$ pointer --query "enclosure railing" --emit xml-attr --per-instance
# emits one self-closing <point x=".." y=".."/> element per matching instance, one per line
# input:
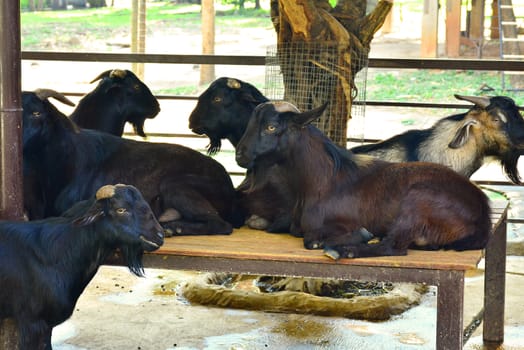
<point x="243" y="60"/>
<point x="393" y="63"/>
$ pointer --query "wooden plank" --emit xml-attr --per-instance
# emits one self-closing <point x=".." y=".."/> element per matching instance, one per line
<point x="254" y="245"/>
<point x="453" y="28"/>
<point x="495" y="286"/>
<point x="450" y="311"/>
<point x="250" y="244"/>
<point x="428" y="45"/>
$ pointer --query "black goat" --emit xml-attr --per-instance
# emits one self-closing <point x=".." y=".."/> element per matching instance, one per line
<point x="493" y="127"/>
<point x="189" y="192"/>
<point x="120" y="97"/>
<point x="46" y="264"/>
<point x="223" y="112"/>
<point x="342" y="197"/>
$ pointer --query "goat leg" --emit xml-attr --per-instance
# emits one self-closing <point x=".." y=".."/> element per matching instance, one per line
<point x="335" y="234"/>
<point x="385" y="247"/>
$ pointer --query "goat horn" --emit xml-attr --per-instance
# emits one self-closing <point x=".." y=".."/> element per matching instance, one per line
<point x="43" y="94"/>
<point x="480" y="101"/>
<point x="118" y="73"/>
<point x="283" y="106"/>
<point x="233" y="83"/>
<point x="106" y="191"/>
<point x="101" y="75"/>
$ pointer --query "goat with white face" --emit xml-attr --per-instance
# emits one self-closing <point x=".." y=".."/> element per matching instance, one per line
<point x="493" y="127"/>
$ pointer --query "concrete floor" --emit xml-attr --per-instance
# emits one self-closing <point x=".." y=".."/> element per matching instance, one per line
<point x="120" y="311"/>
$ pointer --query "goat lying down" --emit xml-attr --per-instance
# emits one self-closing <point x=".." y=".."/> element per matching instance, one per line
<point x="46" y="264"/>
<point x="340" y="197"/>
<point x="119" y="97"/>
<point x="493" y="127"/>
<point x="190" y="193"/>
<point x="223" y="112"/>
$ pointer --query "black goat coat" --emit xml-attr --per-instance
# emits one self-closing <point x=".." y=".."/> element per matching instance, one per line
<point x="71" y="166"/>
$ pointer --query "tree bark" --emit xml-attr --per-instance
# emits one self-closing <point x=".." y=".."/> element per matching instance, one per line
<point x="334" y="43"/>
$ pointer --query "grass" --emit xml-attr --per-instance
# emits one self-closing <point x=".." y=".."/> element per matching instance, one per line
<point x="53" y="29"/>
<point x="435" y="86"/>
<point x="78" y="29"/>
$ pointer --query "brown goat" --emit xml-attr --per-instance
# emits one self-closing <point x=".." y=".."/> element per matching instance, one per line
<point x="493" y="127"/>
<point x="340" y="196"/>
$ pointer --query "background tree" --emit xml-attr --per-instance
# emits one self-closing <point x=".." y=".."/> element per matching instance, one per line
<point x="346" y="29"/>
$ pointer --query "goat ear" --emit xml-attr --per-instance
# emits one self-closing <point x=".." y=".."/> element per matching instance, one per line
<point x="462" y="135"/>
<point x="305" y="118"/>
<point x="247" y="96"/>
<point x="93" y="213"/>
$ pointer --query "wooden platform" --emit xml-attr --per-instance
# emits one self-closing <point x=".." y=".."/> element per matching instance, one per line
<point x="255" y="252"/>
<point x="248" y="244"/>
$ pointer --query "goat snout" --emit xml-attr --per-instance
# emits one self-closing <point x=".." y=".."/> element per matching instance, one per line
<point x="242" y="158"/>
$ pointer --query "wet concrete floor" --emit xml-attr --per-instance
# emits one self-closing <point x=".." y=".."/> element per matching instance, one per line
<point x="120" y="311"/>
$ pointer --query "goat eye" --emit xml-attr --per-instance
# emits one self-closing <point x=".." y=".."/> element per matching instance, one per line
<point x="37" y="114"/>
<point x="136" y="87"/>
<point x="121" y="211"/>
<point x="217" y="99"/>
<point x="271" y="128"/>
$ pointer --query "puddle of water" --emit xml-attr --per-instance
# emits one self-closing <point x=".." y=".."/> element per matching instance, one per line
<point x="414" y="329"/>
<point x="302" y="328"/>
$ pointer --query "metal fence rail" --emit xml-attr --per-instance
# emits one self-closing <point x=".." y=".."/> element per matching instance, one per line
<point x="391" y="63"/>
<point x="241" y="60"/>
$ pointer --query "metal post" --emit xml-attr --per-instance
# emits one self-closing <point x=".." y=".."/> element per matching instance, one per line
<point x="11" y="202"/>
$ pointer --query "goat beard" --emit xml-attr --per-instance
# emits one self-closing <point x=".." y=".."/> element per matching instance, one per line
<point x="509" y="163"/>
<point x="214" y="146"/>
<point x="138" y="127"/>
<point x="132" y="256"/>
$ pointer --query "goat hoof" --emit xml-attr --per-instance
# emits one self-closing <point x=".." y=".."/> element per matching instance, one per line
<point x="257" y="223"/>
<point x="314" y="245"/>
<point x="332" y="253"/>
<point x="178" y="231"/>
<point x="168" y="232"/>
<point x="365" y="235"/>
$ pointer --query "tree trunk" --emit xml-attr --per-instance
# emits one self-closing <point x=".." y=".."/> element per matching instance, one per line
<point x="320" y="45"/>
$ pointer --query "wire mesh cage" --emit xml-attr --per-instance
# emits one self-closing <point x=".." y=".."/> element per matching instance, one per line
<point x="310" y="74"/>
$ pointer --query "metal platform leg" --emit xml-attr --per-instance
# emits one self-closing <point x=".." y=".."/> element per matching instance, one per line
<point x="450" y="310"/>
